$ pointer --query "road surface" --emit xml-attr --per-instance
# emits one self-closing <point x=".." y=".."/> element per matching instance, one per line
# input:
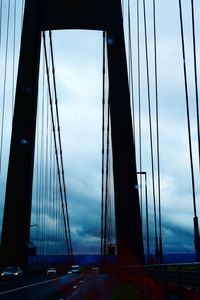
<point x="84" y="287"/>
<point x="39" y="287"/>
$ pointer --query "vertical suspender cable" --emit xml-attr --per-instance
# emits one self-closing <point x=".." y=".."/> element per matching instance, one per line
<point x="50" y="188"/>
<point x="147" y="219"/>
<point x="107" y="182"/>
<point x="53" y="203"/>
<point x="157" y="135"/>
<point x="42" y="160"/>
<point x="0" y="21"/>
<point x="41" y="165"/>
<point x="130" y="58"/>
<point x="37" y="180"/>
<point x="122" y="5"/>
<point x="112" y="240"/>
<point x="48" y="166"/>
<point x="109" y="219"/>
<point x="60" y="145"/>
<point x="22" y="16"/>
<point x="196" y="226"/>
<point x="46" y="99"/>
<point x="56" y="149"/>
<point x="131" y="87"/>
<point x="195" y="74"/>
<point x="13" y="67"/>
<point x="139" y="100"/>
<point x="109" y="208"/>
<point x="103" y="146"/>
<point x="4" y="86"/>
<point x="46" y="187"/>
<point x="151" y="137"/>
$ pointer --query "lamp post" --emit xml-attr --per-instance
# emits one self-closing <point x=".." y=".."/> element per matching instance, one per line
<point x="34" y="225"/>
<point x="147" y="215"/>
<point x="31" y="246"/>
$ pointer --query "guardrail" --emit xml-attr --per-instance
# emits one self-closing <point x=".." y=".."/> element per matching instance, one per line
<point x="178" y="278"/>
<point x="182" y="275"/>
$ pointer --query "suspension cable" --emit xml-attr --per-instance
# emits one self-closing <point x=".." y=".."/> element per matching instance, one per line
<point x="150" y="128"/>
<point x="4" y="85"/>
<point x="59" y="140"/>
<point x="51" y="186"/>
<point x="103" y="145"/>
<point x="0" y="21"/>
<point x="130" y="59"/>
<point x="122" y="5"/>
<point x="107" y="181"/>
<point x="196" y="226"/>
<point x="187" y="109"/>
<point x="13" y="67"/>
<point x="109" y="209"/>
<point x="40" y="223"/>
<point x="22" y="13"/>
<point x="46" y="170"/>
<point x="54" y="195"/>
<point x="196" y="80"/>
<point x="55" y="145"/>
<point x="157" y="133"/>
<point x="112" y="213"/>
<point x="37" y="179"/>
<point x="139" y="103"/>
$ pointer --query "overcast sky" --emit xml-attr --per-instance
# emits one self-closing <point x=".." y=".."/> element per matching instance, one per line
<point x="78" y="59"/>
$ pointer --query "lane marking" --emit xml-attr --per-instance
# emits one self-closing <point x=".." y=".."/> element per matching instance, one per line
<point x="74" y="287"/>
<point x="31" y="285"/>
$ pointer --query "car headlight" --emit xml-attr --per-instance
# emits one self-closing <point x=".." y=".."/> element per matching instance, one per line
<point x="2" y="274"/>
<point x="16" y="274"/>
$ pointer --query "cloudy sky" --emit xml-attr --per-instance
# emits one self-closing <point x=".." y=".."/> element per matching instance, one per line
<point x="78" y="59"/>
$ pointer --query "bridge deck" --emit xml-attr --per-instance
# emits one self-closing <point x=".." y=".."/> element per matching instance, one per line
<point x="99" y="286"/>
<point x="104" y="286"/>
<point x="107" y="287"/>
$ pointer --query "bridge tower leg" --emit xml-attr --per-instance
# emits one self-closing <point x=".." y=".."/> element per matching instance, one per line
<point x="127" y="210"/>
<point x="76" y="14"/>
<point x="17" y="209"/>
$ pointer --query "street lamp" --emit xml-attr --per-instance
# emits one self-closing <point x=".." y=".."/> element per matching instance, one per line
<point x="147" y="215"/>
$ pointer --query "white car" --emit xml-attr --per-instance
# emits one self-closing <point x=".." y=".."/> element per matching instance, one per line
<point x="75" y="269"/>
<point x="51" y="271"/>
<point x="11" y="272"/>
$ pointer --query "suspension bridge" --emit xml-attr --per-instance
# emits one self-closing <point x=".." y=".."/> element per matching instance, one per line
<point x="145" y="211"/>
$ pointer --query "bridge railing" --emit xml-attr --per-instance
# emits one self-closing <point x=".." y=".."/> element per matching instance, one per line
<point x="181" y="276"/>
